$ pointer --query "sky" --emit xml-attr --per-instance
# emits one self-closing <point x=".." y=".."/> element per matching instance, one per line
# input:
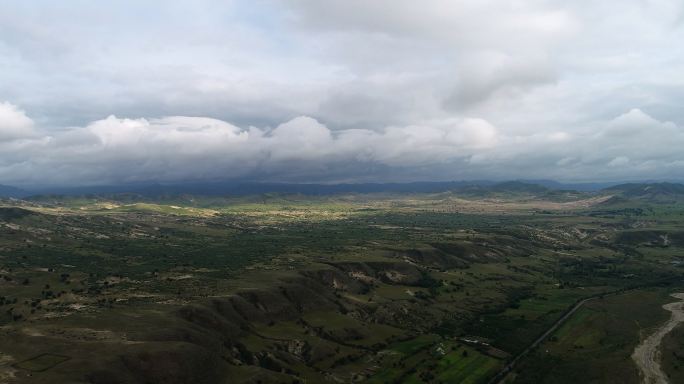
<point x="340" y="91"/>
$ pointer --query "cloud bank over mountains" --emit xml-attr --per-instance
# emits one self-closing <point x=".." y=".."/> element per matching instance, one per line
<point x="331" y="90"/>
<point x="120" y="150"/>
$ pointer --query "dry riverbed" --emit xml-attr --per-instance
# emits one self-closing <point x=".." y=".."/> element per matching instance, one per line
<point x="647" y="354"/>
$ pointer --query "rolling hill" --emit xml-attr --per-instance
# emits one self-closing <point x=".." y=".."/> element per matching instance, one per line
<point x="658" y="192"/>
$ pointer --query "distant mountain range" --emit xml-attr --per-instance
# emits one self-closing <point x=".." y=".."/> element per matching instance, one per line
<point x="482" y="187"/>
<point x="7" y="191"/>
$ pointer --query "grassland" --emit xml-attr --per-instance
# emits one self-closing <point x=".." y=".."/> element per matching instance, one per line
<point x="610" y="328"/>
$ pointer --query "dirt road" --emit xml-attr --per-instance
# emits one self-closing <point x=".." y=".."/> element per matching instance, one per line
<point x="647" y="354"/>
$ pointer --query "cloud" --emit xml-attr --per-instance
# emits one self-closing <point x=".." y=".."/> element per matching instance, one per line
<point x="483" y="46"/>
<point x="484" y="74"/>
<point x="619" y="161"/>
<point x="638" y="136"/>
<point x="14" y="124"/>
<point x="320" y="90"/>
<point x="181" y="148"/>
<point x="631" y="146"/>
<point x="353" y="64"/>
<point x="176" y="148"/>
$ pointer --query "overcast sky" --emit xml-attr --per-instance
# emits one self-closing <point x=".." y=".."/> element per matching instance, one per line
<point x="95" y="92"/>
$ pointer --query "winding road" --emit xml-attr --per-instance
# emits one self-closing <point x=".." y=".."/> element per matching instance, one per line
<point x="647" y="354"/>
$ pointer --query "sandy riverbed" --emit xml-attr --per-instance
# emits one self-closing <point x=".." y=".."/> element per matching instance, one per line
<point x="647" y="354"/>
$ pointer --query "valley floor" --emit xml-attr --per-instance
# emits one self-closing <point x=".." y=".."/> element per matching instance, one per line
<point x="373" y="288"/>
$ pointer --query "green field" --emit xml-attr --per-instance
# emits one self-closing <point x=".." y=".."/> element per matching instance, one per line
<point x="608" y="328"/>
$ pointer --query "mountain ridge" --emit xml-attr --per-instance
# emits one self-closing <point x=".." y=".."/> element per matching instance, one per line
<point x="475" y="187"/>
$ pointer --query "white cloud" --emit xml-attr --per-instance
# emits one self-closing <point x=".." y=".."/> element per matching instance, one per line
<point x="180" y="148"/>
<point x="177" y="148"/>
<point x="14" y="124"/>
